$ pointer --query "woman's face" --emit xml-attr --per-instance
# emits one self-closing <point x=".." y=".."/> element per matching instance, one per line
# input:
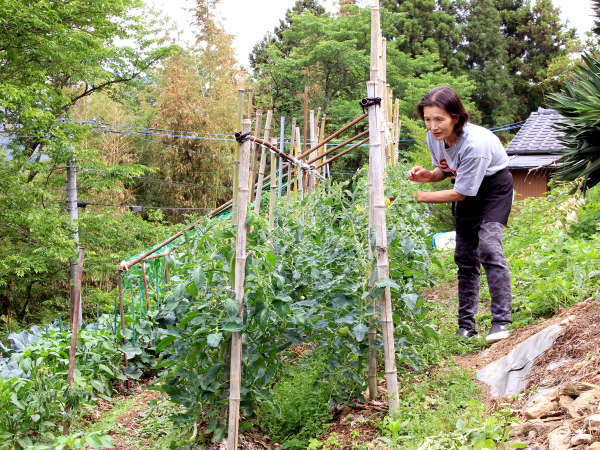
<point x="440" y="123"/>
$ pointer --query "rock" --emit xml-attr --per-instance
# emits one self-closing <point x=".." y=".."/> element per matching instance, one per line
<point x="565" y="401"/>
<point x="581" y="439"/>
<point x="586" y="403"/>
<point x="575" y="388"/>
<point x="593" y="423"/>
<point x="567" y="320"/>
<point x="508" y="375"/>
<point x="536" y="426"/>
<point x="543" y="406"/>
<point x="560" y="438"/>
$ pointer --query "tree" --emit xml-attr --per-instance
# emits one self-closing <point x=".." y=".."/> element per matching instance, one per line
<point x="258" y="55"/>
<point x="427" y="26"/>
<point x="579" y="102"/>
<point x="508" y="47"/>
<point x="331" y="58"/>
<point x="53" y="55"/>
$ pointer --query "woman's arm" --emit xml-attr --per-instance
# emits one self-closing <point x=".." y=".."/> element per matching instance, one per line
<point x="422" y="175"/>
<point x="446" y="196"/>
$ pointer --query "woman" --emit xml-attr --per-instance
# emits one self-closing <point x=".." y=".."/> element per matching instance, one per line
<point x="475" y="160"/>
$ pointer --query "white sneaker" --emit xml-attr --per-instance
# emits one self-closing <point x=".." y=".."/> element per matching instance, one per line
<point x="497" y="333"/>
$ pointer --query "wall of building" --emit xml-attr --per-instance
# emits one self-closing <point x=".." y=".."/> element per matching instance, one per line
<point x="530" y="184"/>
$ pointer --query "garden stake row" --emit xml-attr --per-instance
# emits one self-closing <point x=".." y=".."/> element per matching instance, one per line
<point x="240" y="269"/>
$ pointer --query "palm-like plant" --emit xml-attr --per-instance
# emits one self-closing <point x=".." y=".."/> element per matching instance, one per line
<point x="579" y="103"/>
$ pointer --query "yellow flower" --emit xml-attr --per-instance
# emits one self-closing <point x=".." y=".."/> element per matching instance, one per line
<point x="387" y="202"/>
<point x="359" y="208"/>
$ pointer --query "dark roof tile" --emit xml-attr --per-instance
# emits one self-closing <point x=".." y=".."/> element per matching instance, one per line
<point x="537" y="135"/>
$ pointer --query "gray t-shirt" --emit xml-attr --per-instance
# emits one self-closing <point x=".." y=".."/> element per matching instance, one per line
<point x="477" y="153"/>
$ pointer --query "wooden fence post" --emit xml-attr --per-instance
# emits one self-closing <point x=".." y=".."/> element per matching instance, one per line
<point x="240" y="266"/>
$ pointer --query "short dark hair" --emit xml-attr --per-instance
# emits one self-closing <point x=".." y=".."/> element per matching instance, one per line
<point x="447" y="99"/>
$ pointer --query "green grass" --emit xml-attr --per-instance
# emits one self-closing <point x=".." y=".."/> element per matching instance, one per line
<point x="154" y="428"/>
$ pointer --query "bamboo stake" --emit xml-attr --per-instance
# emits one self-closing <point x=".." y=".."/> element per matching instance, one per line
<point x="299" y="185"/>
<point x="145" y="280"/>
<point x="294" y="152"/>
<point x="379" y="225"/>
<point x="313" y="139"/>
<point x="263" y="162"/>
<point x="305" y="105"/>
<point x="254" y="155"/>
<point x="240" y="266"/>
<point x="322" y="137"/>
<point x="273" y="187"/>
<point x="397" y="125"/>
<point x="236" y="156"/>
<point x="250" y="105"/>
<point x="383" y="95"/>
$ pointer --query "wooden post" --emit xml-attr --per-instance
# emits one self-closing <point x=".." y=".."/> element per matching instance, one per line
<point x="145" y="280"/>
<point x="240" y="266"/>
<point x="293" y="152"/>
<point x="263" y="162"/>
<point x="254" y="155"/>
<point x="273" y="188"/>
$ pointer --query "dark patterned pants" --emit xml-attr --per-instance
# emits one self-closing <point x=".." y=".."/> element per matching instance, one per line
<point x="482" y="246"/>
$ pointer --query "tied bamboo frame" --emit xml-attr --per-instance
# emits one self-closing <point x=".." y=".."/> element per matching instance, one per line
<point x="240" y="265"/>
<point x="377" y="204"/>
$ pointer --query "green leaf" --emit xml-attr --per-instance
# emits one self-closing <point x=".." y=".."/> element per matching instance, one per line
<point x="360" y="331"/>
<point x="97" y="440"/>
<point x="214" y="339"/>
<point x="130" y="350"/>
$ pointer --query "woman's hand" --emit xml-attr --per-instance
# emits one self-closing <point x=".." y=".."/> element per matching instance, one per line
<point x="420" y="174"/>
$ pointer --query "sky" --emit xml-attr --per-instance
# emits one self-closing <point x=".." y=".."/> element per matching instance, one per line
<point x="250" y="20"/>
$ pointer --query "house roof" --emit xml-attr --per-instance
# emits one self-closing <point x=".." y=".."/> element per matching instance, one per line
<point x="533" y="161"/>
<point x="537" y="135"/>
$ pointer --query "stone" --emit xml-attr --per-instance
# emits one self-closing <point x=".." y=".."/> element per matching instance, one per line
<point x="593" y="423"/>
<point x="508" y="375"/>
<point x="585" y="404"/>
<point x="536" y="426"/>
<point x="575" y="388"/>
<point x="581" y="439"/>
<point x="565" y="401"/>
<point x="559" y="438"/>
<point x="543" y="406"/>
